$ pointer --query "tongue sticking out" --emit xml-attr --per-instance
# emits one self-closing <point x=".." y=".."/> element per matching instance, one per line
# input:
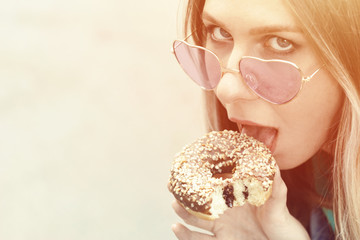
<point x="263" y="134"/>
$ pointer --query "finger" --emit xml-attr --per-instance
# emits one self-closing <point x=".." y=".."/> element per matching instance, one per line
<point x="279" y="186"/>
<point x="275" y="217"/>
<point x="242" y="219"/>
<point x="191" y="219"/>
<point x="275" y="207"/>
<point x="183" y="233"/>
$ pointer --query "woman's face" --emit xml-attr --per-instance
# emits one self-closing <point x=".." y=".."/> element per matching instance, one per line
<point x="294" y="131"/>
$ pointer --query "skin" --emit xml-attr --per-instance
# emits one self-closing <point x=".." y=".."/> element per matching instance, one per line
<point x="237" y="28"/>
<point x="269" y="221"/>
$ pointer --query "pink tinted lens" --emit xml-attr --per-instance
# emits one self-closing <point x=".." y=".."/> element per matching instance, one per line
<point x="202" y="66"/>
<point x="275" y="81"/>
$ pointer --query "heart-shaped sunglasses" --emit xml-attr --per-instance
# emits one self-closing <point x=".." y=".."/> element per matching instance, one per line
<point x="276" y="81"/>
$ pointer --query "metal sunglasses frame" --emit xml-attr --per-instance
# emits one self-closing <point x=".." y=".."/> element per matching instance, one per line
<point x="224" y="70"/>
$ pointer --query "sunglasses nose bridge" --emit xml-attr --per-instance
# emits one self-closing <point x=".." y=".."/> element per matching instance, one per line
<point x="229" y="70"/>
<point x="234" y="71"/>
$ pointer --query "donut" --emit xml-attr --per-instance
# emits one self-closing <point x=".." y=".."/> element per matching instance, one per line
<point x="221" y="170"/>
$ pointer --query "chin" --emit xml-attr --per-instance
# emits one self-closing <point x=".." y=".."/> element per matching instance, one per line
<point x="287" y="163"/>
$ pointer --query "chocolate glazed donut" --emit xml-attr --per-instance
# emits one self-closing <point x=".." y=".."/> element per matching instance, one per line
<point x="221" y="170"/>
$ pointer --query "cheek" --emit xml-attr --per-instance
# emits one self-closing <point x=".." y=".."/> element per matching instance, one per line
<point x="307" y="122"/>
<point x="297" y="146"/>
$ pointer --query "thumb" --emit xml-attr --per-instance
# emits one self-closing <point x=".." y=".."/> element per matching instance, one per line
<point x="275" y="217"/>
<point x="279" y="189"/>
<point x="275" y="206"/>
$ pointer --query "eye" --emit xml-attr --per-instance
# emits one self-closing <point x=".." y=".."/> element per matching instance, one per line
<point x="219" y="34"/>
<point x="280" y="44"/>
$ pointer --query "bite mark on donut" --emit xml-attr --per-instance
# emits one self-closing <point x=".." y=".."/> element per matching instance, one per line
<point x="228" y="195"/>
<point x="246" y="193"/>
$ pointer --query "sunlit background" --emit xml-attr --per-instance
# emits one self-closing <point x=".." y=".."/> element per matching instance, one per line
<point x="93" y="106"/>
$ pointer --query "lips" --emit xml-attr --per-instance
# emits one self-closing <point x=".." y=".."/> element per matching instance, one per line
<point x="264" y="134"/>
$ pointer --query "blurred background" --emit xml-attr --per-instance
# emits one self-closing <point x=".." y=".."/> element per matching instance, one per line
<point x="93" y="107"/>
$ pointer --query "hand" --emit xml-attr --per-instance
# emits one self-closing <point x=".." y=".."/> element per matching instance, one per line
<point x="270" y="221"/>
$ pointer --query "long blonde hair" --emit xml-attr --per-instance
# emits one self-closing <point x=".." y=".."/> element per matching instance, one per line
<point x="333" y="28"/>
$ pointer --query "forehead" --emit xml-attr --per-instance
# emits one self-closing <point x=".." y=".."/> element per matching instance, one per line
<point x="249" y="13"/>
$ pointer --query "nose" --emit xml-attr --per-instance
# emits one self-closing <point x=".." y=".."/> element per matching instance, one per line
<point x="232" y="88"/>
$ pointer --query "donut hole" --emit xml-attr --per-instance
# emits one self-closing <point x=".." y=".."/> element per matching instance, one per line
<point x="223" y="170"/>
<point x="222" y="175"/>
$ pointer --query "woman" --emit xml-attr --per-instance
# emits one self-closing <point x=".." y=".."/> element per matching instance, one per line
<point x="305" y="106"/>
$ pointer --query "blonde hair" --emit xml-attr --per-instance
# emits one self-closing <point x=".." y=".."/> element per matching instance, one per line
<point x="333" y="28"/>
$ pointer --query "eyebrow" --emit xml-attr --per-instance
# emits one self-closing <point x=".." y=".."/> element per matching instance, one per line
<point x="257" y="30"/>
<point x="274" y="28"/>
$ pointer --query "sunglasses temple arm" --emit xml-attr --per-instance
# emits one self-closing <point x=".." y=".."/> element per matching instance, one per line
<point x="186" y="38"/>
<point x="306" y="79"/>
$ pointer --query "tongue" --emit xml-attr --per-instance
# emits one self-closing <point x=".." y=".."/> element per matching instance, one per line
<point x="263" y="134"/>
